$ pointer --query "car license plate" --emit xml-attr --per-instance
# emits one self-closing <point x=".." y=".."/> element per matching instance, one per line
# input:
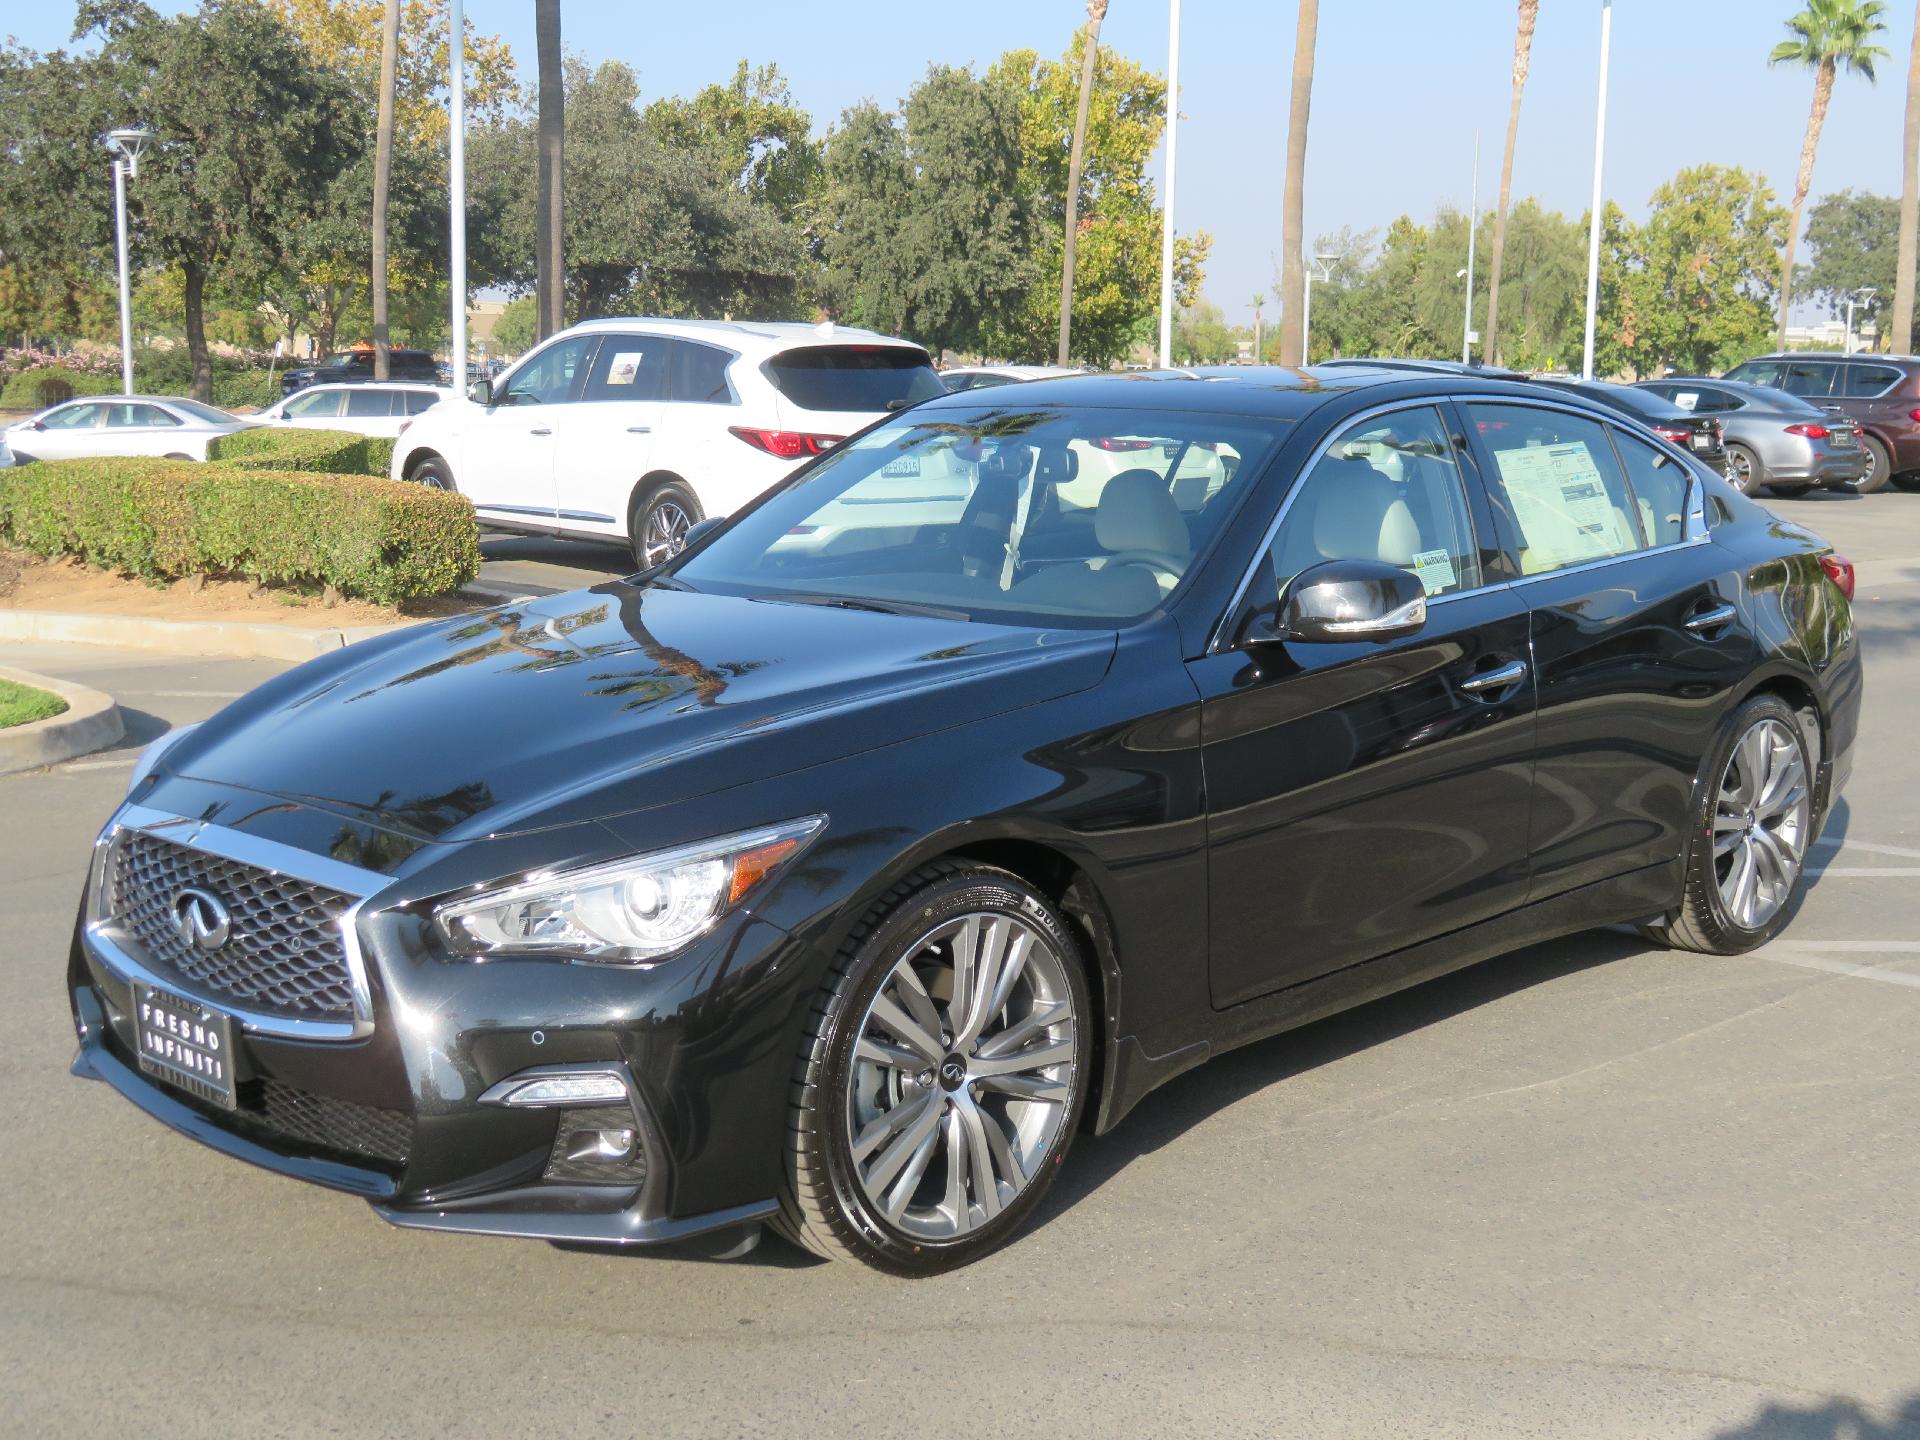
<point x="185" y="1044"/>
<point x="1845" y="439"/>
<point x="905" y="465"/>
<point x="1702" y="442"/>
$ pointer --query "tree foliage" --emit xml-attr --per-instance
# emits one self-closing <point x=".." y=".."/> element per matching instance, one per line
<point x="1853" y="240"/>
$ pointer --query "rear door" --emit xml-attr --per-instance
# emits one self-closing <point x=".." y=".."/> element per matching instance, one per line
<point x="135" y="428"/>
<point x="1365" y="797"/>
<point x="1639" y="627"/>
<point x="373" y="410"/>
<point x="607" y="442"/>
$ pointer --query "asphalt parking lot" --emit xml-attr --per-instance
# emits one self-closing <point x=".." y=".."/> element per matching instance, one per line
<point x="1589" y="1189"/>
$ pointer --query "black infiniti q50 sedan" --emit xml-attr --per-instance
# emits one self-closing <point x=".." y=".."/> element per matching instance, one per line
<point x="1022" y="752"/>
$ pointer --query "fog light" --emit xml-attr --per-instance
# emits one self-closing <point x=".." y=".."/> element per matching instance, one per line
<point x="598" y="1146"/>
<point x="578" y="1087"/>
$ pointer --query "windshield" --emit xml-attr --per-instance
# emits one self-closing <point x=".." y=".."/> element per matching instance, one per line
<point x="1026" y="515"/>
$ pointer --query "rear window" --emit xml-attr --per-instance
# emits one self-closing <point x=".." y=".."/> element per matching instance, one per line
<point x="854" y="377"/>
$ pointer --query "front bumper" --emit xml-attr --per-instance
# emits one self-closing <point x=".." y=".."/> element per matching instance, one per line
<point x="397" y="1108"/>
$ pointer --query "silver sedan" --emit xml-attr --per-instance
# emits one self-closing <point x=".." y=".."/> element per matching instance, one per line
<point x="122" y="425"/>
<point x="1774" y="440"/>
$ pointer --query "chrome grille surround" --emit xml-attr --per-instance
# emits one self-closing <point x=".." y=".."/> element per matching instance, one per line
<point x="301" y="974"/>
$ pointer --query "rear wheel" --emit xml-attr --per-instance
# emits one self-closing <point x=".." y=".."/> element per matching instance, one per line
<point x="943" y="1075"/>
<point x="1752" y="827"/>
<point x="435" y="474"/>
<point x="1744" y="469"/>
<point x="658" y="525"/>
<point x="1879" y="471"/>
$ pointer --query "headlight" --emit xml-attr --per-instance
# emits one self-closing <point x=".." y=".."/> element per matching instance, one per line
<point x="150" y="756"/>
<point x="629" y="912"/>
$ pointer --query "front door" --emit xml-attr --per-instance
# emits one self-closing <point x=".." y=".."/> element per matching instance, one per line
<point x="507" y="450"/>
<point x="1365" y="797"/>
<point x="71" y="431"/>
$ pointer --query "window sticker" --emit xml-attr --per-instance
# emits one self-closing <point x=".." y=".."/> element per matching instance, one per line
<point x="1560" y="503"/>
<point x="1687" y="399"/>
<point x="625" y="367"/>
<point x="1434" y="570"/>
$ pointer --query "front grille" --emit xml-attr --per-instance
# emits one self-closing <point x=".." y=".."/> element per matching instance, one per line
<point x="284" y="955"/>
<point x="340" y="1126"/>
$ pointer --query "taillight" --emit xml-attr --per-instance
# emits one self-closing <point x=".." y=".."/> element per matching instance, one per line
<point x="1839" y="570"/>
<point x="786" y="444"/>
<point x="1117" y="445"/>
<point x="1674" y="434"/>
<point x="1913" y="414"/>
<point x="1811" y="432"/>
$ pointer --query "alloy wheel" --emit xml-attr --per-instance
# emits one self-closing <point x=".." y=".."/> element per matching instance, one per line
<point x="1740" y="470"/>
<point x="962" y="1075"/>
<point x="664" y="534"/>
<point x="1760" y="823"/>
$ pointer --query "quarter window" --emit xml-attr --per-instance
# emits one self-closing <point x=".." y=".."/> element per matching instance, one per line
<point x="418" y="402"/>
<point x="1660" y="488"/>
<point x="1863" y="382"/>
<point x="700" y="374"/>
<point x="1388" y="489"/>
<point x="1561" y="484"/>
<point x="553" y="376"/>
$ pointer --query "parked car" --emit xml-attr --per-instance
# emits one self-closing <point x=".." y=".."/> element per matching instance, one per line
<point x="1774" y="440"/>
<point x="1700" y="435"/>
<point x="371" y="409"/>
<point x="837" y="891"/>
<point x="636" y="430"/>
<point x="6" y="455"/>
<point x="355" y="367"/>
<point x="122" y="425"/>
<point x="1881" y="392"/>
<point x="985" y="377"/>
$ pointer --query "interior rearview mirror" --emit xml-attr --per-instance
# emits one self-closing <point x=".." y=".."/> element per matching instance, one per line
<point x="1341" y="601"/>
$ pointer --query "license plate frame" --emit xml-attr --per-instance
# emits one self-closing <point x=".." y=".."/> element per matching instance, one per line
<point x="1845" y="439"/>
<point x="1700" y="440"/>
<point x="185" y="1044"/>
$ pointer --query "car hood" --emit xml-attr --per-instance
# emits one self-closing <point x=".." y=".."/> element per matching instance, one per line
<point x="618" y="698"/>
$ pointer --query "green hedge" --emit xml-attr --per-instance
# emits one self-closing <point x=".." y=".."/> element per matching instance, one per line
<point x="42" y="386"/>
<point x="382" y="540"/>
<point x="269" y="447"/>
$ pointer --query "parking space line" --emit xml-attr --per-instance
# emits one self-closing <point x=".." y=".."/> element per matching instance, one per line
<point x="1846" y="871"/>
<point x="1829" y="842"/>
<point x="99" y="764"/>
<point x="1843" y="967"/>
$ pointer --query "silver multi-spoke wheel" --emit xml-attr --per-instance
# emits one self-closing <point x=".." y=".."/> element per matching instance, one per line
<point x="1760" y="823"/>
<point x="962" y="1075"/>
<point x="665" y="534"/>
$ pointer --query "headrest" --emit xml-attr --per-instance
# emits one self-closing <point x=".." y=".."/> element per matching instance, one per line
<point x="1360" y="516"/>
<point x="1137" y="513"/>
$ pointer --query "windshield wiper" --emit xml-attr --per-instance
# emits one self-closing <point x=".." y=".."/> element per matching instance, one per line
<point x="861" y="602"/>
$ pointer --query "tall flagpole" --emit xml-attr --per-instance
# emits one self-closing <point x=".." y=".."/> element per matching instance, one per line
<point x="1166" y="203"/>
<point x="457" y="186"/>
<point x="1599" y="157"/>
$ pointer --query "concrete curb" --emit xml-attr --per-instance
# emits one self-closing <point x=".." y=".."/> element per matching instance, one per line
<point x="90" y="722"/>
<point x="182" y="637"/>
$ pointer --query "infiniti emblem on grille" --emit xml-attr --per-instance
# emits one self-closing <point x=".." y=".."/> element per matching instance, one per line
<point x="201" y="919"/>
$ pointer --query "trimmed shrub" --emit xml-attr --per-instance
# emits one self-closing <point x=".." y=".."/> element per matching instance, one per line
<point x="383" y="540"/>
<point x="379" y="455"/>
<point x="268" y="447"/>
<point x="56" y="382"/>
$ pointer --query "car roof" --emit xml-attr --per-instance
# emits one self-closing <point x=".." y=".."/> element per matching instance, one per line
<point x="1739" y="387"/>
<point x="360" y="385"/>
<point x="1858" y="357"/>
<point x="766" y="336"/>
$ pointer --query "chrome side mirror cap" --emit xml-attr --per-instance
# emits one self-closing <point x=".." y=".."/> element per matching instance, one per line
<point x="1342" y="601"/>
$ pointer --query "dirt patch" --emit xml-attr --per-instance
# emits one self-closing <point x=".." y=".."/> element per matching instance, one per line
<point x="72" y="587"/>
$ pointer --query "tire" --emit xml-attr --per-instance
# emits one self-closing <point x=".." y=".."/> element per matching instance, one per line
<point x="190" y="459"/>
<point x="1879" y="469"/>
<point x="1908" y="481"/>
<point x="435" y="474"/>
<point x="658" y="523"/>
<point x="875" y="1170"/>
<point x="1767" y="832"/>
<point x="1744" y="470"/>
<point x="1789" y="492"/>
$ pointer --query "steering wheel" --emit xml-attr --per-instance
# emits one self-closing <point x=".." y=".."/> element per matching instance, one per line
<point x="1172" y="566"/>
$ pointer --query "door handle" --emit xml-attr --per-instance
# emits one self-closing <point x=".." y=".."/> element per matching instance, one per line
<point x="1498" y="678"/>
<point x="541" y="431"/>
<point x="1714" y="619"/>
<point x="639" y="429"/>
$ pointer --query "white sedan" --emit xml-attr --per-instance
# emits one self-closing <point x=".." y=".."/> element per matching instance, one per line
<point x="122" y="425"/>
<point x="380" y="408"/>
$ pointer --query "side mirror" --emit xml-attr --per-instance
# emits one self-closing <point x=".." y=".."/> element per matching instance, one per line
<point x="480" y="392"/>
<point x="1346" y="600"/>
<point x="38" y="425"/>
<point x="699" y="531"/>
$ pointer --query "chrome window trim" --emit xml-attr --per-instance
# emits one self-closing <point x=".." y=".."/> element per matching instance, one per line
<point x="243" y="849"/>
<point x="1695" y="530"/>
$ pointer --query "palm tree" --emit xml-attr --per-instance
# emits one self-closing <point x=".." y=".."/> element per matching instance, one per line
<point x="1909" y="204"/>
<point x="1096" y="12"/>
<point x="382" y="176"/>
<point x="550" y="128"/>
<point x="1522" y="53"/>
<point x="1828" y="35"/>
<point x="1293" y="222"/>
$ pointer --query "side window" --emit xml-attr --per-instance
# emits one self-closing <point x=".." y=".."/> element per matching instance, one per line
<point x="418" y="401"/>
<point x="1387" y="489"/>
<point x="1562" y="486"/>
<point x="372" y="402"/>
<point x="552" y="376"/>
<point x="137" y="417"/>
<point x="700" y="374"/>
<point x="630" y="367"/>
<point x="74" y="417"/>
<point x="1807" y="377"/>
<point x="956" y="383"/>
<point x="1660" y="484"/>
<point x="315" y="404"/>
<point x="1863" y="382"/>
<point x="1757" y="372"/>
<point x="1700" y="399"/>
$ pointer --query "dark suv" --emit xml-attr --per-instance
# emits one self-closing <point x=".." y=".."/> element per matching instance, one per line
<point x="1882" y="392"/>
<point x="352" y="367"/>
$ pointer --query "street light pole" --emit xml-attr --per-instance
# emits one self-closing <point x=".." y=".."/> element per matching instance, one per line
<point x="1473" y="214"/>
<point x="126" y="146"/>
<point x="1861" y="296"/>
<point x="1314" y="263"/>
<point x="457" y="198"/>
<point x="1166" y="207"/>
<point x="1599" y="157"/>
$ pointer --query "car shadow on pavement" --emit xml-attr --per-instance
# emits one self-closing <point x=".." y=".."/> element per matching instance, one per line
<point x="1169" y="1112"/>
<point x="1827" y="1420"/>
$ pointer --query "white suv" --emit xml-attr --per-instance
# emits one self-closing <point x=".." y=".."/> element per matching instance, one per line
<point x="636" y="430"/>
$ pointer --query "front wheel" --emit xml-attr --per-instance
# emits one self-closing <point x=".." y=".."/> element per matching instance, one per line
<point x="944" y="1072"/>
<point x="658" y="525"/>
<point x="435" y="474"/>
<point x="1752" y="827"/>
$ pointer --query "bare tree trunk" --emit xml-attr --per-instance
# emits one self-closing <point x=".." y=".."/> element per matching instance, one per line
<point x="1909" y="205"/>
<point x="1522" y="54"/>
<point x="382" y="179"/>
<point x="1293" y="222"/>
<point x="549" y="264"/>
<point x="200" y="357"/>
<point x="1822" y="93"/>
<point x="1096" y="13"/>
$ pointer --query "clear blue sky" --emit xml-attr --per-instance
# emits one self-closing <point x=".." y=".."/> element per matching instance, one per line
<point x="1400" y="87"/>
